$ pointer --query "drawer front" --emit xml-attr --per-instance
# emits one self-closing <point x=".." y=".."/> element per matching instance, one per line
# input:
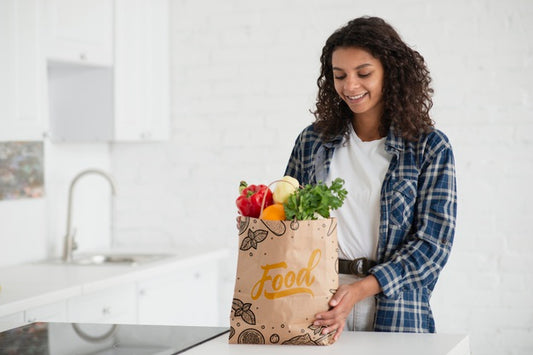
<point x="11" y="321"/>
<point x="113" y="305"/>
<point x="180" y="298"/>
<point x="54" y="312"/>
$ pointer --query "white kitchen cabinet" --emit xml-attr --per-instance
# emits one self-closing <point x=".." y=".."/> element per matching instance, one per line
<point x="79" y="31"/>
<point x="54" y="312"/>
<point x="127" y="100"/>
<point x="22" y="71"/>
<point x="142" y="109"/>
<point x="11" y="321"/>
<point x="80" y="99"/>
<point x="111" y="305"/>
<point x="182" y="297"/>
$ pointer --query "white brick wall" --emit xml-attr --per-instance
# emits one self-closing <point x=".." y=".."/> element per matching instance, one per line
<point x="243" y="80"/>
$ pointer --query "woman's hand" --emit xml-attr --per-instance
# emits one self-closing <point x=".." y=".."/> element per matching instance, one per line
<point x="342" y="303"/>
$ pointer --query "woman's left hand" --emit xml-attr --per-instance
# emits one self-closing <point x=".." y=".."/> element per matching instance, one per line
<point x="342" y="303"/>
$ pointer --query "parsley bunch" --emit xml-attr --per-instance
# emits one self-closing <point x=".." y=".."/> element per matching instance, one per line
<point x="314" y="200"/>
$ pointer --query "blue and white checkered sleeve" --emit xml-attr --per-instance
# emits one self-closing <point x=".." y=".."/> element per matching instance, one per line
<point x="419" y="261"/>
<point x="294" y="166"/>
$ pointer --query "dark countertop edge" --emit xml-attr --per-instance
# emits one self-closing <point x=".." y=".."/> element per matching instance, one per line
<point x="203" y="341"/>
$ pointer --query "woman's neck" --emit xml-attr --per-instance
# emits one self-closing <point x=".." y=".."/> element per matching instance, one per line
<point x="366" y="124"/>
<point x="367" y="129"/>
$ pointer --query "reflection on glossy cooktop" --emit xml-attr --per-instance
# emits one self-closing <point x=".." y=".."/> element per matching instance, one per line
<point x="103" y="339"/>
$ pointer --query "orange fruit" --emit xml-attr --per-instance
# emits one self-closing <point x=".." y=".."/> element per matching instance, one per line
<point x="275" y="212"/>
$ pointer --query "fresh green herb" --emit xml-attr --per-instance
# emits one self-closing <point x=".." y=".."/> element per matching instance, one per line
<point x="313" y="201"/>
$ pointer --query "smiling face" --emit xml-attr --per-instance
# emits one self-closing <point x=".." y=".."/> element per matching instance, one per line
<point x="358" y="79"/>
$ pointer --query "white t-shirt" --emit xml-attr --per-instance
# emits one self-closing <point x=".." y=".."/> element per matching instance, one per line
<point x="362" y="165"/>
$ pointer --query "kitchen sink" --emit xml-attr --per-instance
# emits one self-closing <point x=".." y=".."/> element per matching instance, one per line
<point x="113" y="259"/>
<point x="100" y="259"/>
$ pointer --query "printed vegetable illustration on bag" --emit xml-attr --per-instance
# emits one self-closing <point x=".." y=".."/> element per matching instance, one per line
<point x="287" y="264"/>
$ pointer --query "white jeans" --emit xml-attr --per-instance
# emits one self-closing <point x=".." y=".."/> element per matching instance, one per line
<point x="361" y="317"/>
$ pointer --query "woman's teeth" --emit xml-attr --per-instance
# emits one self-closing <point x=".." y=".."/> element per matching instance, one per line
<point x="357" y="97"/>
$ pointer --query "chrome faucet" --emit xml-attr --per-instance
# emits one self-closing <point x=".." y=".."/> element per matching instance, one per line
<point x="70" y="244"/>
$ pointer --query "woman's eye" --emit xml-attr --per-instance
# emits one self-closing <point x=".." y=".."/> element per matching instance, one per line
<point x="340" y="77"/>
<point x="364" y="75"/>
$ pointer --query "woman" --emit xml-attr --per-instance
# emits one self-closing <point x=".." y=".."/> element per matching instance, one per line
<point x="372" y="128"/>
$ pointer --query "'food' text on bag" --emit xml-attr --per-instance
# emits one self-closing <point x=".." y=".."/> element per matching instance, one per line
<point x="287" y="284"/>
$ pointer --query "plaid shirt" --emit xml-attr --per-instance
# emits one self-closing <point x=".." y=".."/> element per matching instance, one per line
<point x="417" y="221"/>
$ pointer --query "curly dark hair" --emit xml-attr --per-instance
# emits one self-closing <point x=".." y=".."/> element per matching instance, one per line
<point x="406" y="82"/>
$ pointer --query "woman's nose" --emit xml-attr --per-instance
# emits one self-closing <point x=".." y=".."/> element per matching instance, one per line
<point x="351" y="83"/>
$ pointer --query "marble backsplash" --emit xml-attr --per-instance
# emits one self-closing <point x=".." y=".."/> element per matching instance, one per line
<point x="21" y="170"/>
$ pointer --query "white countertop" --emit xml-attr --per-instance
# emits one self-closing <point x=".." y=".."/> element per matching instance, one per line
<point x="40" y="283"/>
<point x="364" y="343"/>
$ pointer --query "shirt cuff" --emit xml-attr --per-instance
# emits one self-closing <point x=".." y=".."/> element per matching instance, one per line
<point x="390" y="278"/>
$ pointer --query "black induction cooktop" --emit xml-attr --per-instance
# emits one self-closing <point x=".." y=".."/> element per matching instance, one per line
<point x="103" y="339"/>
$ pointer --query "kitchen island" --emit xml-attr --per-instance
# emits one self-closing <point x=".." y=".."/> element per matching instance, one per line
<point x="69" y="338"/>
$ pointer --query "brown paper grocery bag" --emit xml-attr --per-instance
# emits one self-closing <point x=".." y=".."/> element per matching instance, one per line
<point x="286" y="273"/>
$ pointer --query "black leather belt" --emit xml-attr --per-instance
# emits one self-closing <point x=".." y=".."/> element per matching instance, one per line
<point x="359" y="267"/>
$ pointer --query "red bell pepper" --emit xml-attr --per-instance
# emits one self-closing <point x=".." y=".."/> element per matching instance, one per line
<point x="251" y="197"/>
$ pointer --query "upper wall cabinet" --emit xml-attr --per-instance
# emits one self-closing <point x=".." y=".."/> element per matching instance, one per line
<point x="122" y="96"/>
<point x="22" y="71"/>
<point x="141" y="70"/>
<point x="79" y="31"/>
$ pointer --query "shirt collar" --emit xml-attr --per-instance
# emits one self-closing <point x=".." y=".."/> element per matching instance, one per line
<point x="334" y="142"/>
<point x="394" y="143"/>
